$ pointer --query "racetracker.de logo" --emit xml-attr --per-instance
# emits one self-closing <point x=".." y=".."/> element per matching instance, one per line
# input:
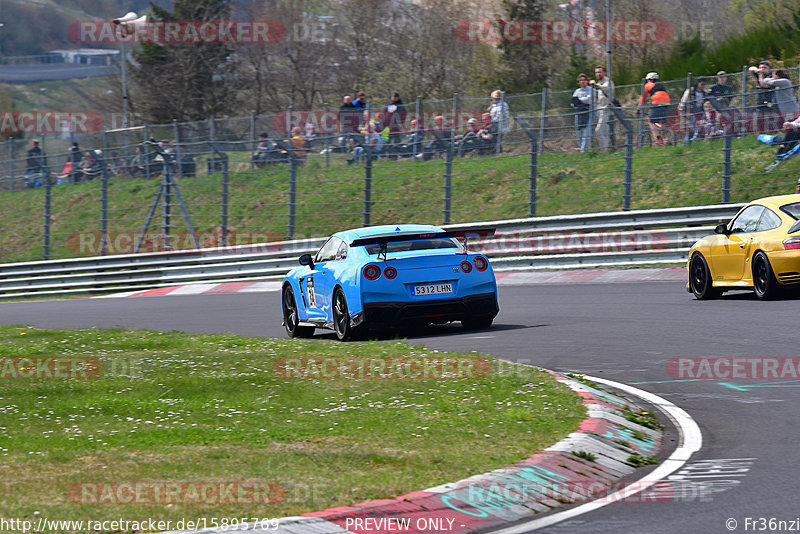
<point x="564" y="31"/>
<point x="184" y="492"/>
<point x="178" y="32"/>
<point x="50" y="122"/>
<point x="24" y="368"/>
<point x="387" y="368"/>
<point x="734" y="368"/>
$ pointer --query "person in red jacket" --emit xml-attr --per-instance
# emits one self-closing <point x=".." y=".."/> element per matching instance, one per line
<point x="659" y="106"/>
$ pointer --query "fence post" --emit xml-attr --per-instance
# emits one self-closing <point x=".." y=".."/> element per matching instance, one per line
<point x="292" y="195"/>
<point x="252" y="140"/>
<point x="177" y="152"/>
<point x="726" y="169"/>
<point x="327" y="140"/>
<point x="744" y="112"/>
<point x="534" y="166"/>
<point x="166" y="209"/>
<point x="643" y="108"/>
<point x="626" y="201"/>
<point x="46" y="232"/>
<point x="542" y="120"/>
<point x="688" y="117"/>
<point x="211" y="138"/>
<point x="11" y="163"/>
<point x="367" y="186"/>
<point x="225" y="201"/>
<point x="503" y="105"/>
<point x="104" y="209"/>
<point x="145" y="154"/>
<point x="448" y="179"/>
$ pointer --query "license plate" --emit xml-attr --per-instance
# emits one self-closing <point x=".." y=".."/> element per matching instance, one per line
<point x="433" y="289"/>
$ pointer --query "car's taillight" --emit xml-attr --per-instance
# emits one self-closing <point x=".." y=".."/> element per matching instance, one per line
<point x="466" y="266"/>
<point x="372" y="272"/>
<point x="793" y="243"/>
<point x="480" y="263"/>
<point x="390" y="272"/>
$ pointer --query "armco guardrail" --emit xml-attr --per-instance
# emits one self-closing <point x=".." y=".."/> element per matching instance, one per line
<point x="565" y="241"/>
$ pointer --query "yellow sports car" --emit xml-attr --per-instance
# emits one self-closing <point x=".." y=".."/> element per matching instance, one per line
<point x="759" y="249"/>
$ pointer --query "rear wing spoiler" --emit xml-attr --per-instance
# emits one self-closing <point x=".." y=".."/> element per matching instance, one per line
<point x="384" y="239"/>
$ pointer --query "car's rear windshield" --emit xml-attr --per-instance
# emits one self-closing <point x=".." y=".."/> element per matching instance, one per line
<point x="405" y="246"/>
<point x="792" y="210"/>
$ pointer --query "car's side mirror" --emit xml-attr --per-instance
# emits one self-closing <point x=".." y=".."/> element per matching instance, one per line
<point x="306" y="259"/>
<point x="722" y="229"/>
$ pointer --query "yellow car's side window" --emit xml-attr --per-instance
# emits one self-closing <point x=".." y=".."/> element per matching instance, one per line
<point x="747" y="221"/>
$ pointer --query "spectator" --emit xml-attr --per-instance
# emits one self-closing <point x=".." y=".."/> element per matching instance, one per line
<point x="436" y="145"/>
<point x="709" y="124"/>
<point x="582" y="103"/>
<point x="783" y="94"/>
<point x="36" y="161"/>
<point x="395" y="112"/>
<point x="499" y="112"/>
<point x="414" y="138"/>
<point x="765" y="99"/>
<point x="722" y="94"/>
<point x="692" y="107"/>
<point x="348" y="122"/>
<point x="310" y="132"/>
<point x="469" y="141"/>
<point x="297" y="144"/>
<point x="373" y="141"/>
<point x="75" y="158"/>
<point x="361" y="105"/>
<point x="265" y="153"/>
<point x="605" y="96"/>
<point x="90" y="165"/>
<point x="659" y="106"/>
<point x="487" y="135"/>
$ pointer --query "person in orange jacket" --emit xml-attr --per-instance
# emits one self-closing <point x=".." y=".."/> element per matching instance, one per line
<point x="659" y="106"/>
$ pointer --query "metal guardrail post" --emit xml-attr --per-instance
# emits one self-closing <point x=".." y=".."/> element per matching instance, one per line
<point x="47" y="198"/>
<point x="292" y="196"/>
<point x="543" y="119"/>
<point x="726" y="169"/>
<point x="11" y="164"/>
<point x="626" y="196"/>
<point x="534" y="166"/>
<point x="368" y="186"/>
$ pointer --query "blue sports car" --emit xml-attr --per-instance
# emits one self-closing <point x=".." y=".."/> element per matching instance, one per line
<point x="383" y="276"/>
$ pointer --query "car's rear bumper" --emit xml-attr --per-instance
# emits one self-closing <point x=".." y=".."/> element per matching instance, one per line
<point x="439" y="310"/>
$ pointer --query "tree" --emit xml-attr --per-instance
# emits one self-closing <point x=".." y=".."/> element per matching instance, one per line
<point x="525" y="64"/>
<point x="185" y="80"/>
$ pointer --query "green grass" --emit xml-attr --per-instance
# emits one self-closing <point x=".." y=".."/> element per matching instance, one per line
<point x="188" y="408"/>
<point x="403" y="191"/>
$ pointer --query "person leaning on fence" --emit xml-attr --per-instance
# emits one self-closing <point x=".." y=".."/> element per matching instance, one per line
<point x="75" y="158"/>
<point x="659" y="106"/>
<point x="500" y="112"/>
<point x="582" y="103"/>
<point x="691" y="106"/>
<point x="767" y="112"/>
<point x="348" y="122"/>
<point x="604" y="97"/>
<point x="783" y="94"/>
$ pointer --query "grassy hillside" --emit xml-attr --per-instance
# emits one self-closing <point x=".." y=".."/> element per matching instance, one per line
<point x="330" y="199"/>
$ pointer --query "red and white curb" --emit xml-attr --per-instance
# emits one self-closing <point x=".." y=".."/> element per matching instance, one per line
<point x="577" y="276"/>
<point x="507" y="500"/>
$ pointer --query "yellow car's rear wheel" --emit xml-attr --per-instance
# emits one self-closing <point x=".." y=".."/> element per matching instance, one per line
<point x="765" y="285"/>
<point x="700" y="280"/>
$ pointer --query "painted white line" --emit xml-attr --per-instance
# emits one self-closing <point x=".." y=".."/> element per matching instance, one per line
<point x="691" y="439"/>
<point x="260" y="287"/>
<point x="117" y="295"/>
<point x="192" y="289"/>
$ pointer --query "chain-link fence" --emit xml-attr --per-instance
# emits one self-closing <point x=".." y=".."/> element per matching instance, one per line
<point x="298" y="174"/>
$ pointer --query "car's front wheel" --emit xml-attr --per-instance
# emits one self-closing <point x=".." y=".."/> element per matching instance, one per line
<point x="765" y="285"/>
<point x="341" y="316"/>
<point x="291" y="318"/>
<point x="700" y="280"/>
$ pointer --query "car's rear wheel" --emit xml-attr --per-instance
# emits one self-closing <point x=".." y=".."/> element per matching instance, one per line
<point x="341" y="316"/>
<point x="700" y="280"/>
<point x="765" y="285"/>
<point x="477" y="323"/>
<point x="291" y="318"/>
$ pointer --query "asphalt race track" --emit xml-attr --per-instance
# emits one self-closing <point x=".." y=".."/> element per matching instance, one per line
<point x="625" y="332"/>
